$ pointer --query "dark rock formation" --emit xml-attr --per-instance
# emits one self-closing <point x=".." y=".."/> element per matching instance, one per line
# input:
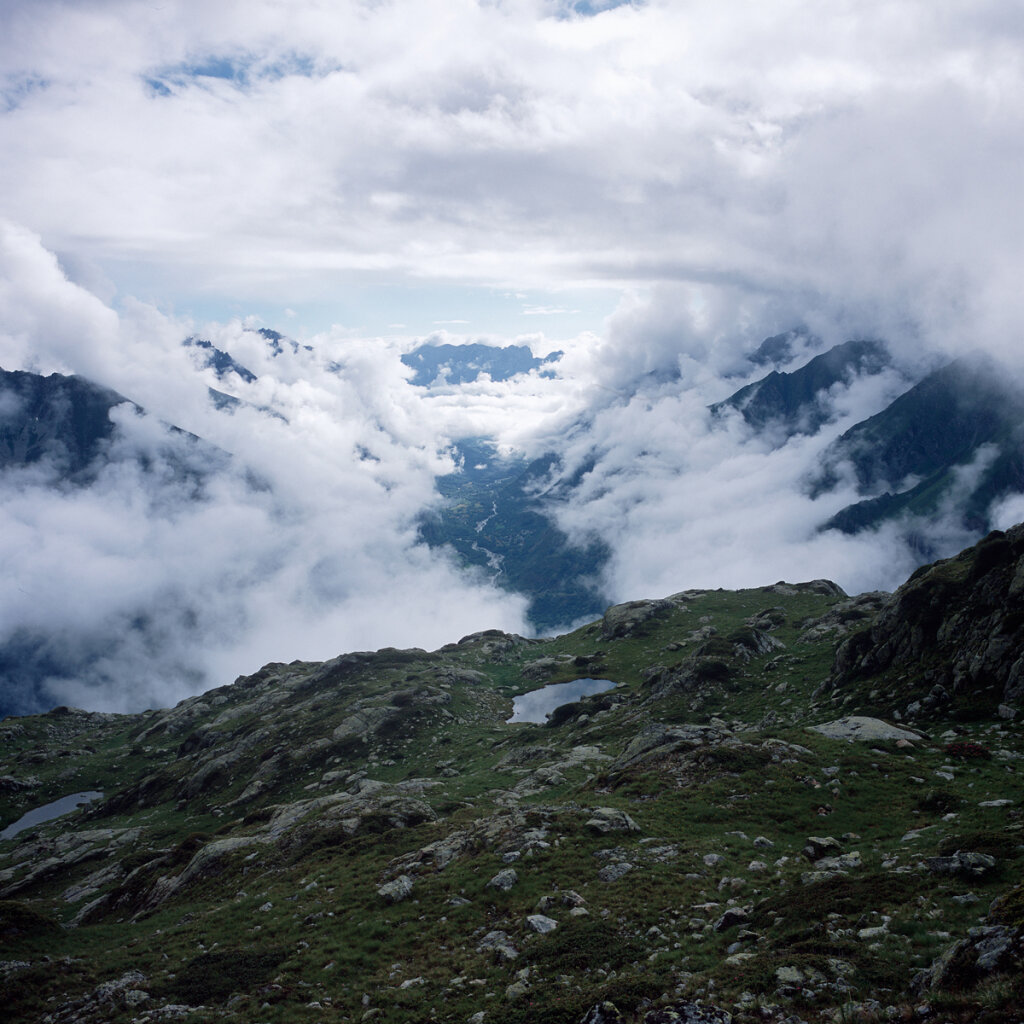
<point x="957" y="625"/>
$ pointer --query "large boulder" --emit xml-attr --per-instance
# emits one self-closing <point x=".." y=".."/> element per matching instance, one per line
<point x="625" y="620"/>
<point x="860" y="727"/>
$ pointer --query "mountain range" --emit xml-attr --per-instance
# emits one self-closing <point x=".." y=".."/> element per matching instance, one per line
<point x="945" y="450"/>
<point x="948" y="448"/>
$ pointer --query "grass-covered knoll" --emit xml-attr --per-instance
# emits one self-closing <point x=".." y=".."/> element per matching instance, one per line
<point x="368" y="839"/>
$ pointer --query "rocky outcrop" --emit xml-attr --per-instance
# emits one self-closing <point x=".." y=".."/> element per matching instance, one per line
<point x="957" y="626"/>
<point x="625" y="620"/>
<point x="987" y="950"/>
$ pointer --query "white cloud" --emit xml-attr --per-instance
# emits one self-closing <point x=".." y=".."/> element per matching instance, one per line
<point x="730" y="169"/>
<point x="182" y="586"/>
<point x="861" y="160"/>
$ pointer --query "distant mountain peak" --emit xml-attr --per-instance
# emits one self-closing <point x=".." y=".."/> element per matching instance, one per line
<point x="779" y="349"/>
<point x="463" y="364"/>
<point x="277" y="342"/>
<point x="218" y="360"/>
<point x="794" y="401"/>
<point x="912" y="450"/>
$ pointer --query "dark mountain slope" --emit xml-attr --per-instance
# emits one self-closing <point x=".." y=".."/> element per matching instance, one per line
<point x="939" y="423"/>
<point x="958" y="414"/>
<point x="63" y="420"/>
<point x="60" y="431"/>
<point x="494" y="517"/>
<point x="780" y="348"/>
<point x="796" y="401"/>
<point x="65" y="423"/>
<point x="221" y="362"/>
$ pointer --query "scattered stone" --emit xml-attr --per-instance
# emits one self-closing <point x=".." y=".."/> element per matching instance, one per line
<point x="611" y="819"/>
<point x="986" y="949"/>
<point x="966" y="899"/>
<point x="818" y="847"/>
<point x="540" y="924"/>
<point x="500" y="943"/>
<point x="844" y="862"/>
<point x="504" y="880"/>
<point x="739" y="959"/>
<point x="396" y="891"/>
<point x="613" y="872"/>
<point x="623" y="620"/>
<point x="974" y="864"/>
<point x="732" y="917"/>
<point x="603" y="1013"/>
<point x="516" y="990"/>
<point x="688" y="1013"/>
<point x="712" y="860"/>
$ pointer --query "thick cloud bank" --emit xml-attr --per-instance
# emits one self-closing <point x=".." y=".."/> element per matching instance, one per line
<point x="842" y="158"/>
<point x="367" y="176"/>
<point x="151" y="583"/>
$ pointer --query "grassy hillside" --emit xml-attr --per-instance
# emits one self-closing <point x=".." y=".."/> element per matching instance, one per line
<point x="367" y="839"/>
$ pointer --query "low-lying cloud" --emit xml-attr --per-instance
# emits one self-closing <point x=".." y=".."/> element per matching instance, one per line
<point x="181" y="566"/>
<point x="729" y="170"/>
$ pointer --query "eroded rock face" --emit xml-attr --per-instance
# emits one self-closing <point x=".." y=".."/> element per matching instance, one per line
<point x="961" y="620"/>
<point x="987" y="950"/>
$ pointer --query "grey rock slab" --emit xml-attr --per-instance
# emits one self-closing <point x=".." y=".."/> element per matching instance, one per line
<point x="540" y="924"/>
<point x="498" y="942"/>
<point x="611" y="819"/>
<point x="818" y="847"/>
<point x="862" y="728"/>
<point x="960" y="863"/>
<point x="396" y="891"/>
<point x="504" y="880"/>
<point x="613" y="872"/>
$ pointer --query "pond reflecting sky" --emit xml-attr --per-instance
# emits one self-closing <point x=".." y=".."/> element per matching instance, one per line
<point x="47" y="812"/>
<point x="538" y="704"/>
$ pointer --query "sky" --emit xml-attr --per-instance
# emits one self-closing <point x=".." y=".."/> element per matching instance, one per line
<point x="651" y="187"/>
<point x="519" y="165"/>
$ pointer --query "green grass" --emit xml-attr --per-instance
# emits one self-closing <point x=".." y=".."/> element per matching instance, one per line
<point x="326" y="936"/>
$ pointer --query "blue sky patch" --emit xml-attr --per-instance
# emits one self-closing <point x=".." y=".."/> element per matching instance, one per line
<point x="14" y="90"/>
<point x="243" y="71"/>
